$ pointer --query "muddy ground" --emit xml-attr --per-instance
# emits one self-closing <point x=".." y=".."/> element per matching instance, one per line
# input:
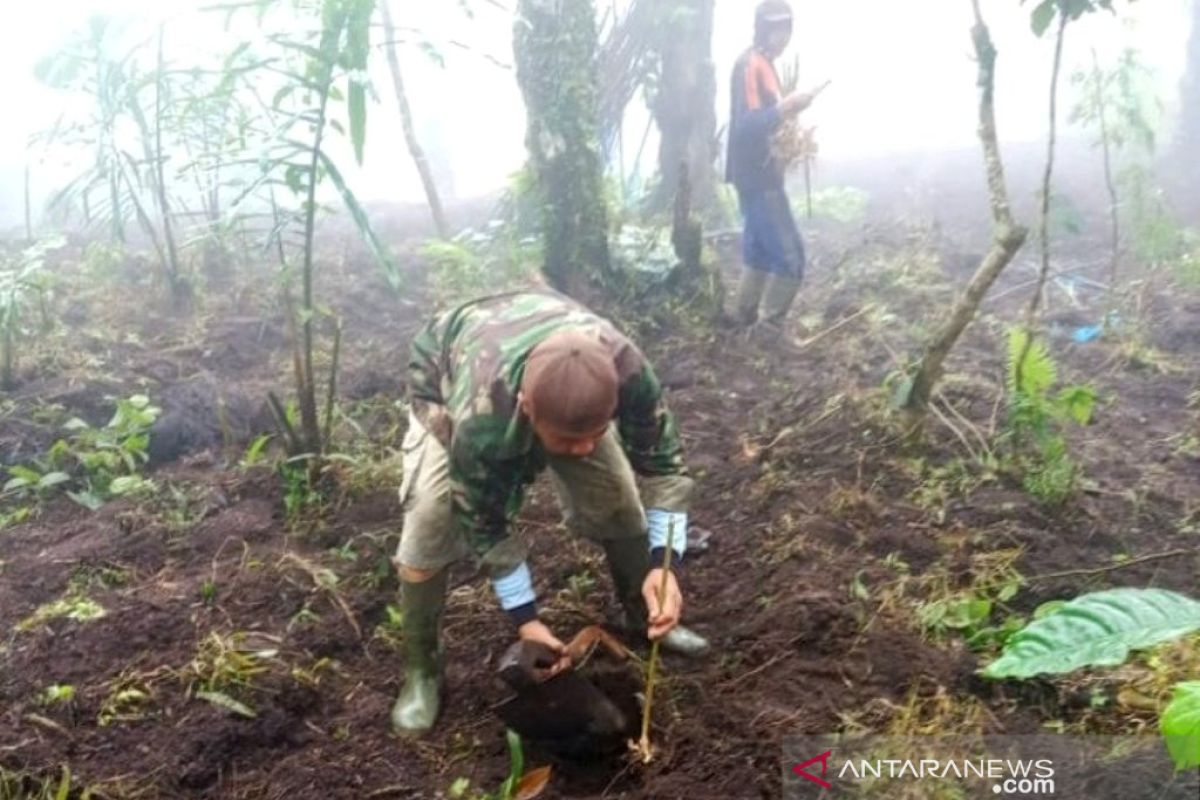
<point x="828" y="531"/>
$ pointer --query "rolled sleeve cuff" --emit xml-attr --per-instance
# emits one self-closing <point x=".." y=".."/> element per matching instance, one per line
<point x="662" y="525"/>
<point x="515" y="589"/>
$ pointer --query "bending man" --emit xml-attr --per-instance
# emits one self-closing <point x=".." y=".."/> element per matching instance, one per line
<point x="501" y="388"/>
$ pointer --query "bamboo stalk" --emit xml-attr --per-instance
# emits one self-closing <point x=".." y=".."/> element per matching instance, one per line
<point x="331" y="394"/>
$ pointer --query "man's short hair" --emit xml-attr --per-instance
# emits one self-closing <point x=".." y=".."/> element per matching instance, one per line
<point x="570" y="383"/>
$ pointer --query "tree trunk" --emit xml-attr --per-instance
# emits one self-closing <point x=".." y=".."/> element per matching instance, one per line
<point x="1035" y="300"/>
<point x="1185" y="150"/>
<point x="176" y="285"/>
<point x="28" y="209"/>
<point x="410" y="135"/>
<point x="684" y="105"/>
<point x="1007" y="239"/>
<point x="1114" y="214"/>
<point x="699" y="281"/>
<point x="554" y="42"/>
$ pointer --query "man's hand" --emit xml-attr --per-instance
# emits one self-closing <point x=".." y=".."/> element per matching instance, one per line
<point x="536" y="631"/>
<point x="663" y="616"/>
<point x="798" y="101"/>
<point x="794" y="103"/>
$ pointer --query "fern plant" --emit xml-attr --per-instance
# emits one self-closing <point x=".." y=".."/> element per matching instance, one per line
<point x="1036" y="418"/>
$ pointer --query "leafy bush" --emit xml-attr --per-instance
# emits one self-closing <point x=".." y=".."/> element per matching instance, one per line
<point x="102" y="462"/>
<point x="1036" y="417"/>
<point x="844" y="204"/>
<point x="24" y="285"/>
<point x="489" y="259"/>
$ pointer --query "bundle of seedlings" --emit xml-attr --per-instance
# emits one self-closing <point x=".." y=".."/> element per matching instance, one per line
<point x="793" y="145"/>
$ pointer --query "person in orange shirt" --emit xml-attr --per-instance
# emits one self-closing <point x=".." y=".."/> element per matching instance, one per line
<point x="772" y="248"/>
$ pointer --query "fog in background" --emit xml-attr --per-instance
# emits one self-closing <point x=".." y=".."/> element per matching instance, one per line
<point x="902" y="72"/>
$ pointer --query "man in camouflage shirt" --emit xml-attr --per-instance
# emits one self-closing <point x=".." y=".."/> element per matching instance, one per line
<point x="502" y="388"/>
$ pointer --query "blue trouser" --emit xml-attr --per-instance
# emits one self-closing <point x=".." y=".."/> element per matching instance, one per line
<point x="770" y="239"/>
<point x="774" y="253"/>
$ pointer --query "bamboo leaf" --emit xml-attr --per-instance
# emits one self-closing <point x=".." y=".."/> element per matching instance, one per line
<point x="377" y="247"/>
<point x="357" y="108"/>
<point x="226" y="702"/>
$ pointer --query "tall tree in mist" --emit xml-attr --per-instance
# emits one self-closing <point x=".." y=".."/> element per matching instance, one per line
<point x="684" y="102"/>
<point x="1185" y="150"/>
<point x="554" y="43"/>
<point x="917" y="392"/>
<point x="1064" y="11"/>
<point x="410" y="135"/>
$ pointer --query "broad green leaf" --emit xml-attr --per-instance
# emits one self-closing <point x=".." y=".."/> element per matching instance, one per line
<point x="1043" y="15"/>
<point x="52" y="479"/>
<point x="86" y="499"/>
<point x="378" y="248"/>
<point x="228" y="703"/>
<point x="1180" y="725"/>
<point x="1048" y="608"/>
<point x="1096" y="630"/>
<point x="966" y="612"/>
<point x="26" y="475"/>
<point x="15" y="483"/>
<point x="1078" y="403"/>
<point x="128" y="484"/>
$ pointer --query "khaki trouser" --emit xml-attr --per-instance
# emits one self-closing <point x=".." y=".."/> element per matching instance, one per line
<point x="598" y="494"/>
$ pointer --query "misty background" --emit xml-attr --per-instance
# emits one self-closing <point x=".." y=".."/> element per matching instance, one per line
<point x="902" y="100"/>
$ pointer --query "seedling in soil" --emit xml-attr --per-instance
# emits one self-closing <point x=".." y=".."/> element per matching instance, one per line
<point x="80" y="609"/>
<point x="223" y="663"/>
<point x="16" y="516"/>
<point x="580" y="585"/>
<point x="19" y="786"/>
<point x="56" y="693"/>
<point x="643" y="748"/>
<point x="519" y="785"/>
<point x="125" y="704"/>
<point x="208" y="592"/>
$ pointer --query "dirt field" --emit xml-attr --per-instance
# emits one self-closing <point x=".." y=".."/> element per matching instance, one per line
<point x="828" y="533"/>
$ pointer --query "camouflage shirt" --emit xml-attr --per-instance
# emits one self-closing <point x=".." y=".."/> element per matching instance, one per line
<point x="464" y="375"/>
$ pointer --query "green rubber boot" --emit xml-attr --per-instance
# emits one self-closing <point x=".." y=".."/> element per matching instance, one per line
<point x="780" y="294"/>
<point x="628" y="562"/>
<point x="417" y="707"/>
<point x="750" y="295"/>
